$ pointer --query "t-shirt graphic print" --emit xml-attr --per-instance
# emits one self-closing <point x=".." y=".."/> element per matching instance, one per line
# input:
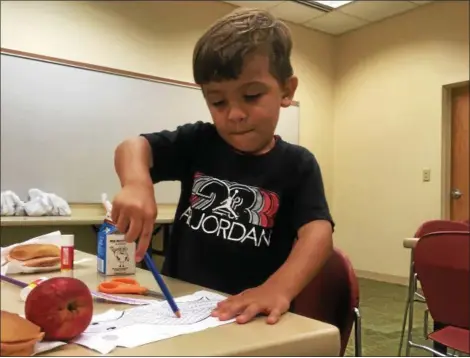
<point x="231" y="211"/>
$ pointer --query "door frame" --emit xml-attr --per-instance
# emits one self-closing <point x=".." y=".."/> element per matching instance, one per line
<point x="446" y="148"/>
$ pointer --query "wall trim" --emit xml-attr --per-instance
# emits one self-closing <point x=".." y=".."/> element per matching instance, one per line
<point x="382" y="277"/>
<point x="446" y="147"/>
<point x="446" y="139"/>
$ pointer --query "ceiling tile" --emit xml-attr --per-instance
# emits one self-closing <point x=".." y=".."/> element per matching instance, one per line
<point x="376" y="10"/>
<point x="294" y="12"/>
<point x="256" y="4"/>
<point x="335" y="23"/>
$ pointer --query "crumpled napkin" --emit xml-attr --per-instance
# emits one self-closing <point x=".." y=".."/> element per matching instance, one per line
<point x="11" y="204"/>
<point x="41" y="203"/>
<point x="107" y="205"/>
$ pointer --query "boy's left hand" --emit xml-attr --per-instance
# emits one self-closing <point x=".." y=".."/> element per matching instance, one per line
<point x="246" y="305"/>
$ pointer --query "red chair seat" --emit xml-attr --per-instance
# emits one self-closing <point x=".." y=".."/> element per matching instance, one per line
<point x="332" y="297"/>
<point x="442" y="265"/>
<point x="453" y="337"/>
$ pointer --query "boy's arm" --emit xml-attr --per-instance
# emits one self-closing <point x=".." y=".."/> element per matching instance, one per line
<point x="157" y="156"/>
<point x="314" y="245"/>
<point x="171" y="151"/>
<point x="140" y="162"/>
<point x="132" y="161"/>
<point x="313" y="248"/>
<point x="312" y="218"/>
<point x="134" y="208"/>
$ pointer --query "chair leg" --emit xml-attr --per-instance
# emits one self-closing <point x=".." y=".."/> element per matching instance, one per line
<point x="357" y="332"/>
<point x="410" y="316"/>
<point x="426" y="323"/>
<point x="403" y="327"/>
<point x="408" y="304"/>
<point x="437" y="346"/>
<point x="430" y="350"/>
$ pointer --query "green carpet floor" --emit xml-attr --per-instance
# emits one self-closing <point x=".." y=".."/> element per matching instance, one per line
<point x="382" y="307"/>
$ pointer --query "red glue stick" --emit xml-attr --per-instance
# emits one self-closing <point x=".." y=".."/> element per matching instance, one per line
<point x="66" y="252"/>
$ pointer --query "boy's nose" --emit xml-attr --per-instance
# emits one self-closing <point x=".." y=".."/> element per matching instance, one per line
<point x="236" y="114"/>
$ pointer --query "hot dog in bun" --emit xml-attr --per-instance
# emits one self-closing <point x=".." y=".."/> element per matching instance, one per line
<point x="36" y="255"/>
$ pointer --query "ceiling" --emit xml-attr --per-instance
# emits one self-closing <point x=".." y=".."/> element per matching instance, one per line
<point x="334" y="21"/>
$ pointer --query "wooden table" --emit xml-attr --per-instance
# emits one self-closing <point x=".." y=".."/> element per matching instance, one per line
<point x="93" y="215"/>
<point x="293" y="335"/>
<point x="82" y="214"/>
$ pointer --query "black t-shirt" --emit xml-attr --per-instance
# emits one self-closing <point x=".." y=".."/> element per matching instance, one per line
<point x="238" y="215"/>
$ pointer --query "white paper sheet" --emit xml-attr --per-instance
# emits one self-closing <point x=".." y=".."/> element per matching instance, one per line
<point x="45" y="346"/>
<point x="145" y="324"/>
<point x="15" y="266"/>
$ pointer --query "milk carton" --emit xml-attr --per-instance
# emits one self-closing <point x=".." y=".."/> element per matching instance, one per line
<point x="115" y="256"/>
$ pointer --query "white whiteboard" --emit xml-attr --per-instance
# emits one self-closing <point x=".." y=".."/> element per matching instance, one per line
<point x="61" y="124"/>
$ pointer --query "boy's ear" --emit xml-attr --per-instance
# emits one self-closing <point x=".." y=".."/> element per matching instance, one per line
<point x="289" y="91"/>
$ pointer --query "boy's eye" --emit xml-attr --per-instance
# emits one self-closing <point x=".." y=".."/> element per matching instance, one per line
<point x="218" y="103"/>
<point x="251" y="97"/>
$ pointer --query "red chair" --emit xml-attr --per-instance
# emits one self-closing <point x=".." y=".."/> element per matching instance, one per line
<point x="442" y="263"/>
<point x="333" y="297"/>
<point x="413" y="295"/>
<point x="441" y="225"/>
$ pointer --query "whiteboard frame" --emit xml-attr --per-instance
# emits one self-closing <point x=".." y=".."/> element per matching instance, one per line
<point x="103" y="69"/>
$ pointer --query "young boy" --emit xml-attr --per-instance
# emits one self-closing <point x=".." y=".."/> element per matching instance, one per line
<point x="246" y="195"/>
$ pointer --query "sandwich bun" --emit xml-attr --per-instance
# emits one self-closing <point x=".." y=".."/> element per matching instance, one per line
<point x="42" y="262"/>
<point x="18" y="349"/>
<point x="18" y="335"/>
<point x="33" y="251"/>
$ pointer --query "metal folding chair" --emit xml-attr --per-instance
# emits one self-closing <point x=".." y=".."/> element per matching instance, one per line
<point x="414" y="295"/>
<point x="333" y="297"/>
<point x="442" y="263"/>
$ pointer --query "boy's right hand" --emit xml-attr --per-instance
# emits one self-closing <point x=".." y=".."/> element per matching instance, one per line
<point x="134" y="212"/>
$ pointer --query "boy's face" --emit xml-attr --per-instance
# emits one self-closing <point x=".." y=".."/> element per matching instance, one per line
<point x="245" y="111"/>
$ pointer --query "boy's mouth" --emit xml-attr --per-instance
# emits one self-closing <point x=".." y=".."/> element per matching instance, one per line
<point x="242" y="132"/>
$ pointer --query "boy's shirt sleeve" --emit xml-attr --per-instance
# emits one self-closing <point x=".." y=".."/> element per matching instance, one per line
<point x="172" y="151"/>
<point x="309" y="200"/>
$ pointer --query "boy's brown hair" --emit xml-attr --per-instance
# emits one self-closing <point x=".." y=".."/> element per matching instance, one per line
<point x="219" y="53"/>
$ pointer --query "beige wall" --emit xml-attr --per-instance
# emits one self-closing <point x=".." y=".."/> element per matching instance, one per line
<point x="157" y="38"/>
<point x="388" y="118"/>
<point x="388" y="81"/>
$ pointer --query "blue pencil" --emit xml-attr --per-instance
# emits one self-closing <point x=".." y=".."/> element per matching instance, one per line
<point x="161" y="283"/>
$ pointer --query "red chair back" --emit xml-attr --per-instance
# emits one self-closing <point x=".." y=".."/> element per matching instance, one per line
<point x="332" y="296"/>
<point x="441" y="225"/>
<point x="441" y="261"/>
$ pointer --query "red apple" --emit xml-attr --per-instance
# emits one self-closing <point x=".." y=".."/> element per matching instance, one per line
<point x="61" y="306"/>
